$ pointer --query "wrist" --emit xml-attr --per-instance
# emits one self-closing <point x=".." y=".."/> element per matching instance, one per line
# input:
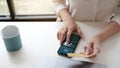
<point x="99" y="38"/>
<point x="65" y="16"/>
<point x="69" y="21"/>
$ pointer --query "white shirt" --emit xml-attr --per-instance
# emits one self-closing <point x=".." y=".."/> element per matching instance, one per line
<point x="90" y="10"/>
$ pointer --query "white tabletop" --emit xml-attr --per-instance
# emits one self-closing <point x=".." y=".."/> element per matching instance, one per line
<point x="39" y="39"/>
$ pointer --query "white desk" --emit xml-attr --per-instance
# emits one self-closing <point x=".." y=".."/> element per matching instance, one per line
<point x="39" y="39"/>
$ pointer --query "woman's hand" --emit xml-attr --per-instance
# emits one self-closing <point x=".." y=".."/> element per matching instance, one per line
<point x="67" y="28"/>
<point x="93" y="47"/>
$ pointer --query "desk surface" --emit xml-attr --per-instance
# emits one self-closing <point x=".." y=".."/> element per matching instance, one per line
<point x="39" y="39"/>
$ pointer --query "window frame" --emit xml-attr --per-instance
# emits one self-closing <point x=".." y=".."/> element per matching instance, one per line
<point x="33" y="17"/>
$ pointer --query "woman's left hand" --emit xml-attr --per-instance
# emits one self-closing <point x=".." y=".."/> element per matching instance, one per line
<point x="93" y="47"/>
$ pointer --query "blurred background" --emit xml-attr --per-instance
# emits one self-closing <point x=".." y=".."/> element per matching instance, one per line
<point x="27" y="8"/>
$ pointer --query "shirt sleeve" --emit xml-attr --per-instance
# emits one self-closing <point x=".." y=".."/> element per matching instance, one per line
<point x="116" y="16"/>
<point x="59" y="5"/>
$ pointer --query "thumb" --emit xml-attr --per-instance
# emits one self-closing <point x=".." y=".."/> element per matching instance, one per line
<point x="89" y="48"/>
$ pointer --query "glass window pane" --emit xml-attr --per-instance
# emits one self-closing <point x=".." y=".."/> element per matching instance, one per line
<point x="3" y="8"/>
<point x="23" y="7"/>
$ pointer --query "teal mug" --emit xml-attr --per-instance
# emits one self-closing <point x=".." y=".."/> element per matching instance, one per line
<point x="11" y="38"/>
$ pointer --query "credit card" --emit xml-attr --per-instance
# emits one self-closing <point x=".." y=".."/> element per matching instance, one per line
<point x="77" y="55"/>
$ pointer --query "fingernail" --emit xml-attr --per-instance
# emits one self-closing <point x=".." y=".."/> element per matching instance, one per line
<point x="67" y="43"/>
<point x="60" y="42"/>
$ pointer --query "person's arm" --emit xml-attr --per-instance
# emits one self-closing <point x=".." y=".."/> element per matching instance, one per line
<point x="59" y="5"/>
<point x="69" y="25"/>
<point x="111" y="29"/>
<point x="93" y="46"/>
<point x="114" y="25"/>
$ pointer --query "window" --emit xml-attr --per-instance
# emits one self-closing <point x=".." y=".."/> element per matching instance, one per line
<point x="27" y="9"/>
<point x="4" y="12"/>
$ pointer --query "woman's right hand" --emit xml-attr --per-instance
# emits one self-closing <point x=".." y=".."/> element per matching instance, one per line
<point x="67" y="28"/>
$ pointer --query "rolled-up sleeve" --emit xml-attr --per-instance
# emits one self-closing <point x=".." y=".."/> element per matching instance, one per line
<point x="59" y="5"/>
<point x="116" y="16"/>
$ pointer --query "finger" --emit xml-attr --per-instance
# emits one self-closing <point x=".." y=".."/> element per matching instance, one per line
<point x="58" y="35"/>
<point x="85" y="47"/>
<point x="89" y="48"/>
<point x="62" y="36"/>
<point x="91" y="57"/>
<point x="68" y="36"/>
<point x="94" y="54"/>
<point x="79" y="32"/>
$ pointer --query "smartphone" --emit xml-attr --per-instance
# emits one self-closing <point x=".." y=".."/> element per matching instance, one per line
<point x="69" y="48"/>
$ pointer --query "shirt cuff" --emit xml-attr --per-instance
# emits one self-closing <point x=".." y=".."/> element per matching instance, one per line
<point x="116" y="19"/>
<point x="59" y="7"/>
